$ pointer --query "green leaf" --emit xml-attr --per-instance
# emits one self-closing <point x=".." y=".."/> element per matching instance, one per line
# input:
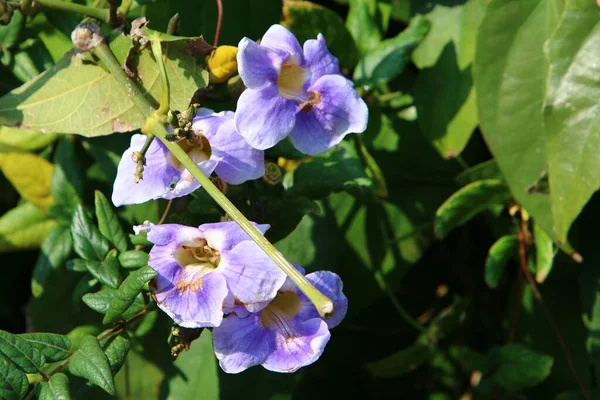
<point x="133" y="259"/>
<point x="361" y="23"/>
<point x="467" y="203"/>
<point x="30" y="175"/>
<point x="67" y="181"/>
<point x="92" y="103"/>
<point x="21" y="353"/>
<point x="116" y="349"/>
<point x="24" y="227"/>
<point x="485" y="170"/>
<point x="10" y="34"/>
<point x="107" y="270"/>
<point x="88" y="242"/>
<point x="53" y="346"/>
<point x="108" y="222"/>
<point x="402" y="362"/>
<point x="498" y="256"/>
<point x="389" y="58"/>
<point x="77" y="265"/>
<point x="25" y="139"/>
<point x="544" y="253"/>
<point x="55" y="250"/>
<point x="100" y="302"/>
<point x="470" y="360"/>
<point x="13" y="382"/>
<point x="57" y="388"/>
<point x="306" y="20"/>
<point x="90" y="362"/>
<point x="571" y="116"/>
<point x="518" y="367"/>
<point x="509" y="71"/>
<point x="337" y="170"/>
<point x="127" y="292"/>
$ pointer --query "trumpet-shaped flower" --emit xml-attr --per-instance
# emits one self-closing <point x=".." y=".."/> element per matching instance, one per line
<point x="295" y="91"/>
<point x="215" y="147"/>
<point x="285" y="335"/>
<point x="201" y="270"/>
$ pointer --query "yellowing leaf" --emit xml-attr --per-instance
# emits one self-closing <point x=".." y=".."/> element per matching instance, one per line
<point x="30" y="175"/>
<point x="222" y="63"/>
<point x="24" y="227"/>
<point x="25" y="139"/>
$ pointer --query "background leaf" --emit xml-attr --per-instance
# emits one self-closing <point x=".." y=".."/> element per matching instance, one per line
<point x="24" y="227"/>
<point x="90" y="362"/>
<point x="127" y="292"/>
<point x="88" y="242"/>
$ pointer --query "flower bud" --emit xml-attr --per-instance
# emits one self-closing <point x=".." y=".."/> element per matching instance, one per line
<point x="87" y="36"/>
<point x="273" y="174"/>
<point x="222" y="63"/>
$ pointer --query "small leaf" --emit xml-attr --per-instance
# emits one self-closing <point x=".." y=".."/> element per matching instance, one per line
<point x="10" y="34"/>
<point x="116" y="349"/>
<point x="25" y="139"/>
<point x="24" y="227"/>
<point x="518" y="367"/>
<point x="67" y="181"/>
<point x="390" y="57"/>
<point x="88" y="242"/>
<point x="54" y="251"/>
<point x="90" y="362"/>
<point x="53" y="346"/>
<point x="544" y="253"/>
<point x="30" y="175"/>
<point x="362" y="25"/>
<point x="306" y="20"/>
<point x="402" y="362"/>
<point x="108" y="222"/>
<point x="22" y="354"/>
<point x="485" y="170"/>
<point x="100" y="302"/>
<point x="467" y="203"/>
<point x="470" y="360"/>
<point x="77" y="264"/>
<point x="13" y="382"/>
<point x="107" y="270"/>
<point x="140" y="239"/>
<point x="133" y="259"/>
<point x="127" y="292"/>
<point x="57" y="388"/>
<point x="499" y="254"/>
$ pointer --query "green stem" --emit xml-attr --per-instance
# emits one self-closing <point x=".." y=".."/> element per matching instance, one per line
<point x="123" y="9"/>
<point x="165" y="94"/>
<point x="372" y="167"/>
<point x="97" y="13"/>
<point x="154" y="126"/>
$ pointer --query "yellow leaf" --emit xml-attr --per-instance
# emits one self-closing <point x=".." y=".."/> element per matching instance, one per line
<point x="222" y="63"/>
<point x="30" y="175"/>
<point x="24" y="227"/>
<point x="25" y="139"/>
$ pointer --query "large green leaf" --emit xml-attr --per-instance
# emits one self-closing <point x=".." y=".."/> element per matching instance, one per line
<point x="22" y="353"/>
<point x="127" y="293"/>
<point x="57" y="388"/>
<point x="572" y="117"/>
<point x="83" y="98"/>
<point x="88" y="242"/>
<point x="24" y="227"/>
<point x="90" y="362"/>
<point x="509" y="73"/>
<point x="361" y="23"/>
<point x="54" y="347"/>
<point x="13" y="382"/>
<point x="444" y="91"/>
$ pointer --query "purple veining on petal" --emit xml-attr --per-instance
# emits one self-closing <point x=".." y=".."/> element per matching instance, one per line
<point x="224" y="236"/>
<point x="319" y="60"/>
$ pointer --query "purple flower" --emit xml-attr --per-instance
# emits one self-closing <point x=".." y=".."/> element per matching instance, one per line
<point x="285" y="335"/>
<point x="218" y="147"/>
<point x="201" y="270"/>
<point x="296" y="92"/>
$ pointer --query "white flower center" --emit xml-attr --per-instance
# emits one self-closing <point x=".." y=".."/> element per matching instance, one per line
<point x="195" y="262"/>
<point x="291" y="80"/>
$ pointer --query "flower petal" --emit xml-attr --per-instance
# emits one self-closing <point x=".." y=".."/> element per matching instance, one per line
<point x="158" y="174"/>
<point x="176" y="234"/>
<point x="340" y="111"/>
<point x="278" y="37"/>
<point x="252" y="277"/>
<point x="319" y="60"/>
<point x="264" y="117"/>
<point x="207" y="122"/>
<point x="298" y="344"/>
<point x="224" y="236"/>
<point x="258" y="64"/>
<point x="241" y="343"/>
<point x="239" y="162"/>
<point x="330" y="284"/>
<point x="191" y="308"/>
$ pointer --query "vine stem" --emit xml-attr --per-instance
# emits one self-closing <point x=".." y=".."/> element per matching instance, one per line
<point x="101" y="14"/>
<point x="219" y="21"/>
<point x="154" y="126"/>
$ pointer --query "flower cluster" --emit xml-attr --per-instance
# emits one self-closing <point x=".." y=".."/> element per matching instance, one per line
<point x="214" y="270"/>
<point x="291" y="91"/>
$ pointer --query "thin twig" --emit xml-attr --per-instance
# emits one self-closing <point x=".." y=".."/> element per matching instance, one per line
<point x="514" y="324"/>
<point x="219" y="21"/>
<point x="166" y="212"/>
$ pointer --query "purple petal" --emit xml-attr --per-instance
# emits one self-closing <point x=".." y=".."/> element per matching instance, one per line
<point x="239" y="162"/>
<point x="278" y="37"/>
<point x="241" y="343"/>
<point x="194" y="307"/>
<point x="331" y="286"/>
<point x="288" y="285"/>
<point x="264" y="117"/>
<point x="207" y="122"/>
<point x="161" y="260"/>
<point x="252" y="277"/>
<point x="339" y="112"/>
<point x="224" y="236"/>
<point x="173" y="233"/>
<point x="258" y="64"/>
<point x="319" y="60"/>
<point x="159" y="174"/>
<point x="297" y="343"/>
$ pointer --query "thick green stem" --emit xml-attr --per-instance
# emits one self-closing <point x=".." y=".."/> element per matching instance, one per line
<point x="165" y="94"/>
<point x="97" y="13"/>
<point x="123" y="9"/>
<point x="154" y="126"/>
